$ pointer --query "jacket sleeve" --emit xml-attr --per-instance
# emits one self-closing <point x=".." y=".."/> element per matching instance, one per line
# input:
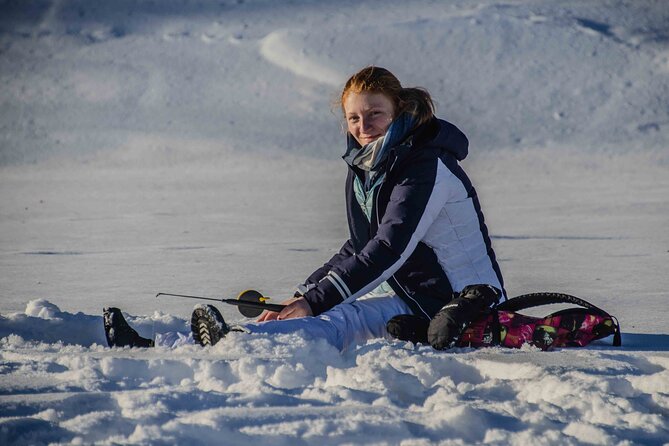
<point x="345" y="252"/>
<point x="417" y="198"/>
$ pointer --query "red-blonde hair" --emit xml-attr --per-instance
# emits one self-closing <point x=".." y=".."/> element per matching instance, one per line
<point x="416" y="101"/>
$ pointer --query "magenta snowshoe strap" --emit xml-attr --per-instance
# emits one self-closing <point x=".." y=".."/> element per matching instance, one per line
<point x="546" y="298"/>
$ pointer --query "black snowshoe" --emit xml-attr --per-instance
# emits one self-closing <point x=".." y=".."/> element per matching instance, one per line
<point x="207" y="325"/>
<point x="119" y="333"/>
<point x="408" y="327"/>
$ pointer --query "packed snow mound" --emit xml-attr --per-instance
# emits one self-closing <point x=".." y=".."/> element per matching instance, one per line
<point x="80" y="78"/>
<point x="284" y="389"/>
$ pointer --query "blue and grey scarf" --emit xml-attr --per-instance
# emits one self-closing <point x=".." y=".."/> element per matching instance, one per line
<point x="370" y="158"/>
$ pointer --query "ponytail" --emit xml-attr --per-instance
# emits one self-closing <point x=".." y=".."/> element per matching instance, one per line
<point x="417" y="102"/>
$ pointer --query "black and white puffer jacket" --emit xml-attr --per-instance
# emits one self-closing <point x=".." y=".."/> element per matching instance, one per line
<point x="426" y="238"/>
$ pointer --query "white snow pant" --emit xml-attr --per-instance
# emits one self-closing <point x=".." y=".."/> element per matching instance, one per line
<point x="342" y="326"/>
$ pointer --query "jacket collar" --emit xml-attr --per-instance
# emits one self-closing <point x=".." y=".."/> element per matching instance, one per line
<point x="375" y="153"/>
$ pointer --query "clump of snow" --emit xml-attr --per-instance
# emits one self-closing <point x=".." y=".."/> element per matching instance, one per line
<point x="42" y="308"/>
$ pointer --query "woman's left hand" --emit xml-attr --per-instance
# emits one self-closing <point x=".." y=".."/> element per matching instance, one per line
<point x="294" y="307"/>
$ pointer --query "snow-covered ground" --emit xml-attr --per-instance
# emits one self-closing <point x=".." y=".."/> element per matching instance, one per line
<point x="192" y="146"/>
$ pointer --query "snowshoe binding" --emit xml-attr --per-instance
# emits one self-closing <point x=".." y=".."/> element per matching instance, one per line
<point x="207" y="325"/>
<point x="119" y="333"/>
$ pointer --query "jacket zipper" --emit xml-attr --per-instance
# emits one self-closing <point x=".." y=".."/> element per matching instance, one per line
<point x="378" y="222"/>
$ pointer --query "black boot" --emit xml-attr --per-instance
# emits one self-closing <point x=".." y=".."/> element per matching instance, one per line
<point x="449" y="322"/>
<point x="207" y="325"/>
<point x="408" y="327"/>
<point x="119" y="333"/>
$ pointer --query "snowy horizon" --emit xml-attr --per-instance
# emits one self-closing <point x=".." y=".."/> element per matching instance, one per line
<point x="194" y="147"/>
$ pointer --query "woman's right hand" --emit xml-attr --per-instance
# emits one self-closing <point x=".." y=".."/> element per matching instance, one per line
<point x="267" y="315"/>
<point x="294" y="307"/>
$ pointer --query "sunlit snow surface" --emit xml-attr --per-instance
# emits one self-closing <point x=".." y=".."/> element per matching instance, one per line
<point x="192" y="147"/>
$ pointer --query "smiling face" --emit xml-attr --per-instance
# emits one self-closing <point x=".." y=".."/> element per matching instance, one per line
<point x="368" y="115"/>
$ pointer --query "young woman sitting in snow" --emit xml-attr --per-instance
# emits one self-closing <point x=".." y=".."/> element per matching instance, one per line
<point x="418" y="265"/>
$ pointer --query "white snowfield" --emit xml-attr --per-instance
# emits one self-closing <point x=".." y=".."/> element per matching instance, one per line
<point x="193" y="147"/>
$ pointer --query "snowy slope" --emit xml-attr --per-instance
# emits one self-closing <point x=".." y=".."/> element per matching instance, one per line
<point x="192" y="146"/>
<point x="81" y="77"/>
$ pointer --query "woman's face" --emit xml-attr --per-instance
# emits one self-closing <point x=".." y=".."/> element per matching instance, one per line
<point x="368" y="115"/>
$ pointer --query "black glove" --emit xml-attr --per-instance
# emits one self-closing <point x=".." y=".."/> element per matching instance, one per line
<point x="452" y="319"/>
<point x="408" y="327"/>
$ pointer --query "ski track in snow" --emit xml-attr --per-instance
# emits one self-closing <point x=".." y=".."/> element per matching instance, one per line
<point x="188" y="147"/>
<point x="288" y="390"/>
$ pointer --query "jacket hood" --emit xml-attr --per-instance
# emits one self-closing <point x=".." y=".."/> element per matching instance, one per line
<point x="443" y="134"/>
<point x="434" y="133"/>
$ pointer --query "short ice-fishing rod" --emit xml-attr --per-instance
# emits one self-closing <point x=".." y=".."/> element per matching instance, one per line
<point x="250" y="303"/>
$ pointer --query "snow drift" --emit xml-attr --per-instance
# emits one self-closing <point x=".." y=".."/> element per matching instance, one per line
<point x="285" y="390"/>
